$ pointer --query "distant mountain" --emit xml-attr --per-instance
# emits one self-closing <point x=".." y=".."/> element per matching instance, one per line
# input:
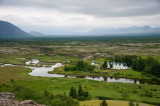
<point x="64" y="32"/>
<point x="8" y="30"/>
<point x="60" y="32"/>
<point x="127" y="30"/>
<point x="35" y="33"/>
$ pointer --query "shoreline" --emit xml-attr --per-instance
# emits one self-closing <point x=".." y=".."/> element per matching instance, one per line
<point x="149" y="81"/>
<point x="100" y="75"/>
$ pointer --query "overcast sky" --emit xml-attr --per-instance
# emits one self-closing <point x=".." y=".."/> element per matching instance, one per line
<point x="79" y="15"/>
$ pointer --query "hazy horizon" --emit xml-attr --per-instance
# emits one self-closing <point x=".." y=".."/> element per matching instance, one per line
<point x="78" y="16"/>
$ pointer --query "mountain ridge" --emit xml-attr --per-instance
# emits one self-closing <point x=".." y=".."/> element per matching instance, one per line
<point x="126" y="30"/>
<point x="8" y="30"/>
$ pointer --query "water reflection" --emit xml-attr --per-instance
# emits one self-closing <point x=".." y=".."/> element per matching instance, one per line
<point x="43" y="72"/>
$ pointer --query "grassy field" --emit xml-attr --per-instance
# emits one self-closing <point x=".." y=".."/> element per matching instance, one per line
<point x="129" y="74"/>
<point x="52" y="59"/>
<point x="15" y="59"/>
<point x="116" y="91"/>
<point x="109" y="102"/>
<point x="69" y="50"/>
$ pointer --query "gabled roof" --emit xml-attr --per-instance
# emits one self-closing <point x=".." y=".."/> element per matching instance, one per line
<point x="124" y="64"/>
<point x="117" y="63"/>
<point x="94" y="62"/>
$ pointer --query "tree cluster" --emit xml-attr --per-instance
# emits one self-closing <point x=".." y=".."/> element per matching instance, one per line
<point x="104" y="66"/>
<point x="128" y="59"/>
<point x="80" y="66"/>
<point x="47" y="98"/>
<point x="80" y="94"/>
<point x="149" y="66"/>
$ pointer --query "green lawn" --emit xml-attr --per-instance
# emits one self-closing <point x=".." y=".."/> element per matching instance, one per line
<point x="11" y="59"/>
<point x="141" y="93"/>
<point x="128" y="73"/>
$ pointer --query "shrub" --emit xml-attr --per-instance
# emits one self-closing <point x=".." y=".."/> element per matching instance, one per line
<point x="103" y="97"/>
<point x="104" y="103"/>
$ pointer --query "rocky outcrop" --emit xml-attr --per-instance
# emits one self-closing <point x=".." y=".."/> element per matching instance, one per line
<point x="8" y="99"/>
<point x="7" y="95"/>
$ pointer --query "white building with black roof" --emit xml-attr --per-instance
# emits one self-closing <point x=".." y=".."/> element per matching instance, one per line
<point x="94" y="63"/>
<point x="117" y="65"/>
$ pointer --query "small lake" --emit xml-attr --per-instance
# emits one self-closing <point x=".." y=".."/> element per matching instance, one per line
<point x="43" y="72"/>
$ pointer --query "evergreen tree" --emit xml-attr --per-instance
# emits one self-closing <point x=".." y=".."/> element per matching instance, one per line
<point x="104" y="66"/>
<point x="111" y="65"/>
<point x="74" y="93"/>
<point x="71" y="93"/>
<point x="80" y="65"/>
<point x="149" y="60"/>
<point x="118" y="58"/>
<point x="155" y="68"/>
<point x="135" y="64"/>
<point x="74" y="68"/>
<point x="104" y="103"/>
<point x="80" y="91"/>
<point x="141" y="64"/>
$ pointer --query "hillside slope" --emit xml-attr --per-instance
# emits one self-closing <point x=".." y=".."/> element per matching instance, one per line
<point x="8" y="30"/>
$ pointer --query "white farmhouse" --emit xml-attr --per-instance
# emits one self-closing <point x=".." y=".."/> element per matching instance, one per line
<point x="116" y="65"/>
<point x="94" y="63"/>
<point x="32" y="62"/>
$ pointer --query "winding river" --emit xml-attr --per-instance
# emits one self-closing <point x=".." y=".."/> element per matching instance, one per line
<point x="43" y="72"/>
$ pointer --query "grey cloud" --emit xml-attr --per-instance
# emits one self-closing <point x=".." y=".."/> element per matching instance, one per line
<point x="101" y="8"/>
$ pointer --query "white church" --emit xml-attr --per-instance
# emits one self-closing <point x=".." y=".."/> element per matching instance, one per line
<point x="116" y="65"/>
<point x="94" y="63"/>
<point x="112" y="65"/>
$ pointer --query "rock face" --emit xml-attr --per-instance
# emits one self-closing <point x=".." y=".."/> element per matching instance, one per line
<point x="7" y="95"/>
<point x="8" y="99"/>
